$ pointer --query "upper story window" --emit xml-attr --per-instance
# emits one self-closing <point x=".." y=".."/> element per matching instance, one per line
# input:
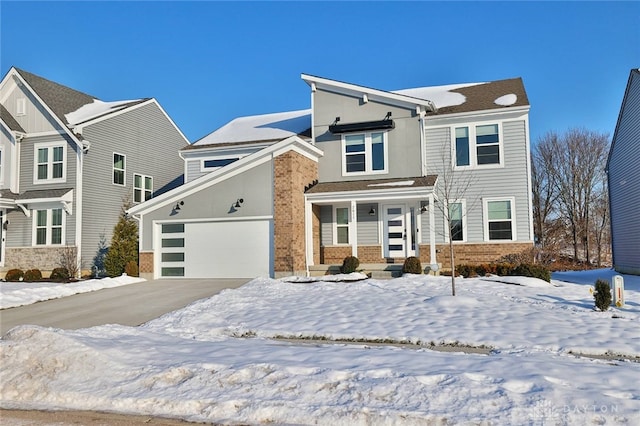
<point x="21" y="106"/>
<point x="49" y="226"/>
<point x="49" y="163"/>
<point x="499" y="219"/>
<point x="119" y="169"/>
<point x="219" y="162"/>
<point x="477" y="145"/>
<point x="364" y="153"/>
<point x="142" y="188"/>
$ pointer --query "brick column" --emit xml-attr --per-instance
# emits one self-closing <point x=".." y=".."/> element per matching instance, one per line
<point x="292" y="172"/>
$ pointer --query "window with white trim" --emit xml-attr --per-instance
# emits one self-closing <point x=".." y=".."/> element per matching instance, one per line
<point x="119" y="169"/>
<point x="341" y="225"/>
<point x="49" y="163"/>
<point x="364" y="153"/>
<point x="479" y="145"/>
<point x="48" y="227"/>
<point x="218" y="162"/>
<point x="142" y="187"/>
<point x="499" y="219"/>
<point x="457" y="218"/>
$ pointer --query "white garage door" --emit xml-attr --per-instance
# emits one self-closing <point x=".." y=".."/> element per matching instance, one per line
<point x="215" y="249"/>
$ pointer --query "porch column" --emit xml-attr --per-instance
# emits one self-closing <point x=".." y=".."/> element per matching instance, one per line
<point x="308" y="233"/>
<point x="353" y="233"/>
<point x="432" y="232"/>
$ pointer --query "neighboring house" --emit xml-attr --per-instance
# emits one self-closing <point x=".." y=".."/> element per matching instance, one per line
<point x="361" y="173"/>
<point x="623" y="170"/>
<point x="68" y="161"/>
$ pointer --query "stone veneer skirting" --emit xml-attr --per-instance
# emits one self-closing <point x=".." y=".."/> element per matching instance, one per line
<point x="43" y="258"/>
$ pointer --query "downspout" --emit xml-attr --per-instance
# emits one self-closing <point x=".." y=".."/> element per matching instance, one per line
<point x="80" y="165"/>
<point x="423" y="148"/>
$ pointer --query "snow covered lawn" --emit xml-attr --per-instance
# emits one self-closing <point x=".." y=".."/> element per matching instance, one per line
<point x="14" y="294"/>
<point x="215" y="361"/>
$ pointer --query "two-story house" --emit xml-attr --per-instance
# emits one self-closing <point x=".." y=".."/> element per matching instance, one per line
<point x="364" y="172"/>
<point x="68" y="163"/>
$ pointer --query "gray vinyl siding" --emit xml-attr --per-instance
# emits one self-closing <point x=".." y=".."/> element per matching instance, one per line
<point x="19" y="231"/>
<point x="254" y="186"/>
<point x="193" y="170"/>
<point x="7" y="154"/>
<point x="326" y="225"/>
<point x="512" y="180"/>
<point x="367" y="225"/>
<point x="624" y="182"/>
<point x="150" y="144"/>
<point x="403" y="141"/>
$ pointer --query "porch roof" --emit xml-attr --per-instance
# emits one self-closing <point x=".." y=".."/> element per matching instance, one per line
<point x="377" y="185"/>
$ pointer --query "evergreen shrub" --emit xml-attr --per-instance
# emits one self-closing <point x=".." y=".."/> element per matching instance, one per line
<point x="14" y="275"/>
<point x="602" y="295"/>
<point x="32" y="275"/>
<point x="59" y="274"/>
<point x="131" y="268"/>
<point x="349" y="264"/>
<point x="412" y="265"/>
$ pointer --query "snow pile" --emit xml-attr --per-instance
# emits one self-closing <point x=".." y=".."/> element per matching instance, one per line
<point x="14" y="294"/>
<point x="95" y="109"/>
<point x="189" y="363"/>
<point x="506" y="100"/>
<point x="354" y="276"/>
<point x="441" y="96"/>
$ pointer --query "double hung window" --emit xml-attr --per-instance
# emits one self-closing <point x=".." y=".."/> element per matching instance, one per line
<point x="119" y="169"/>
<point x="49" y="226"/>
<point x="477" y="145"/>
<point x="142" y="188"/>
<point x="49" y="163"/>
<point x="456" y="219"/>
<point x="364" y="153"/>
<point x="500" y="219"/>
<point x="342" y="225"/>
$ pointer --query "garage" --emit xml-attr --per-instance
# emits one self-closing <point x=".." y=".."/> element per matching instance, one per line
<point x="215" y="249"/>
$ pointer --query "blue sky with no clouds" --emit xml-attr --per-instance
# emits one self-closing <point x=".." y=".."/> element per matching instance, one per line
<point x="209" y="62"/>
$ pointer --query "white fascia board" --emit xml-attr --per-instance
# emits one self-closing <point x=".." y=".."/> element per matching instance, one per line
<point x="224" y="173"/>
<point x="17" y="75"/>
<point x="370" y="195"/>
<point x="222" y="150"/>
<point x="372" y="94"/>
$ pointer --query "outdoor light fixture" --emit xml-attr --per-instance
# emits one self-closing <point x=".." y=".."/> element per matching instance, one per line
<point x="177" y="207"/>
<point x="239" y="201"/>
<point x="423" y="209"/>
<point x="372" y="212"/>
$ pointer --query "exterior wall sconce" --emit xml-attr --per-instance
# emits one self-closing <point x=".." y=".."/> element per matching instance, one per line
<point x="239" y="201"/>
<point x="423" y="209"/>
<point x="5" y="224"/>
<point x="372" y="212"/>
<point x="177" y="207"/>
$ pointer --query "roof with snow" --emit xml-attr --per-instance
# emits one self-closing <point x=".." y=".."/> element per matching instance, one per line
<point x="69" y="105"/>
<point x="259" y="128"/>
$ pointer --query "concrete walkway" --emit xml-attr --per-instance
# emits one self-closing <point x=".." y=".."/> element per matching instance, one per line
<point x="132" y="304"/>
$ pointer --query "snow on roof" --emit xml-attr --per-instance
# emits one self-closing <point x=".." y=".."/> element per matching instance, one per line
<point x="401" y="183"/>
<point x="263" y="127"/>
<point x="95" y="109"/>
<point x="441" y="96"/>
<point x="506" y="100"/>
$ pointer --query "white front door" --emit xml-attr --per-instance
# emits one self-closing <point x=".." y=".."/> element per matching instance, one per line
<point x="395" y="235"/>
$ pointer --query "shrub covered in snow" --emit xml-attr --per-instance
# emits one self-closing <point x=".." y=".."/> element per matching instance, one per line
<point x="349" y="264"/>
<point x="602" y="295"/>
<point x="412" y="265"/>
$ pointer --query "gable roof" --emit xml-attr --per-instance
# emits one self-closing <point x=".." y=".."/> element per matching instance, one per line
<point x="258" y="128"/>
<point x="438" y="100"/>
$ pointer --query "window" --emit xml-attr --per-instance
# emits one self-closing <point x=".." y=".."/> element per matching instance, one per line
<point x="477" y="145"/>
<point x="142" y="188"/>
<point x="342" y="225"/>
<point x="21" y="106"/>
<point x="49" y="227"/>
<point x="119" y="168"/>
<point x="49" y="163"/>
<point x="210" y="164"/>
<point x="500" y="222"/>
<point x="364" y="153"/>
<point x="456" y="217"/>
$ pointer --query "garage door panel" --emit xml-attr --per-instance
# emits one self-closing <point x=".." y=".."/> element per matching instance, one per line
<point x="227" y="249"/>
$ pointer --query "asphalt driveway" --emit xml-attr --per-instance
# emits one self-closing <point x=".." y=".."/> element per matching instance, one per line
<point x="132" y="304"/>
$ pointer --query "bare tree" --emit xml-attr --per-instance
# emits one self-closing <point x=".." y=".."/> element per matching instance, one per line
<point x="572" y="168"/>
<point x="544" y="193"/>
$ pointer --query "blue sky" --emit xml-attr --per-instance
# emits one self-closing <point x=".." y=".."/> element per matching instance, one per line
<point x="209" y="62"/>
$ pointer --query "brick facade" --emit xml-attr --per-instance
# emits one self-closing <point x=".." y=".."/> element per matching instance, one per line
<point x="471" y="253"/>
<point x="146" y="262"/>
<point x="292" y="172"/>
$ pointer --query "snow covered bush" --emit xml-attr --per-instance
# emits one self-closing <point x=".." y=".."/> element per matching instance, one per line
<point x="32" y="275"/>
<point x="14" y="275"/>
<point x="412" y="265"/>
<point x="602" y="295"/>
<point x="349" y="264"/>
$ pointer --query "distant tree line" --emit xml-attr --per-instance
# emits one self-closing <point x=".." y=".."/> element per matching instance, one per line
<point x="570" y="197"/>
